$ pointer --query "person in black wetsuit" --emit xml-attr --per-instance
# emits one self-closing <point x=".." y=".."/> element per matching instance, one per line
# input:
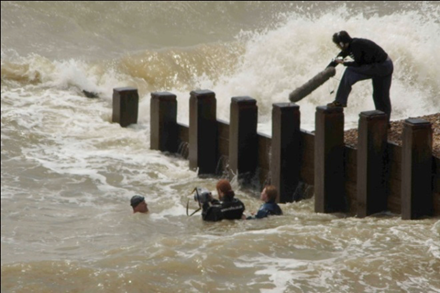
<point x="270" y="207"/>
<point x="228" y="207"/>
<point x="370" y="62"/>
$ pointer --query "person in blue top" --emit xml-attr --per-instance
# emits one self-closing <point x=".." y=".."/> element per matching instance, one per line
<point x="270" y="207"/>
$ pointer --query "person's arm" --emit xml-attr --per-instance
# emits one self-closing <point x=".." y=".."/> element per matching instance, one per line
<point x="356" y="51"/>
<point x="336" y="61"/>
<point x="268" y="209"/>
<point x="350" y="64"/>
<point x="211" y="211"/>
<point x="366" y="52"/>
<point x="262" y="213"/>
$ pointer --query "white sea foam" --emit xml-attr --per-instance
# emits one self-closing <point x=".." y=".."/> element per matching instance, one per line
<point x="277" y="61"/>
<point x="274" y="62"/>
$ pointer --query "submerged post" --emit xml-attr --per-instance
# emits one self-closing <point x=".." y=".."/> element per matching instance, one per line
<point x="243" y="151"/>
<point x="203" y="132"/>
<point x="371" y="166"/>
<point x="329" y="156"/>
<point x="416" y="169"/>
<point x="285" y="158"/>
<point x="125" y="106"/>
<point x="163" y="127"/>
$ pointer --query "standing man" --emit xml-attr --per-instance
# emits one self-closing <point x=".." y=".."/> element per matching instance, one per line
<point x="370" y="62"/>
<point x="138" y="204"/>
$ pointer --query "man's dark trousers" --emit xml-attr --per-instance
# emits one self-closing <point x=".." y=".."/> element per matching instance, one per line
<point x="380" y="73"/>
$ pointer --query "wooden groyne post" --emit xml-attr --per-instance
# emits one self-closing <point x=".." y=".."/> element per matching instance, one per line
<point x="163" y="122"/>
<point x="286" y="150"/>
<point x="125" y="105"/>
<point x="377" y="176"/>
<point x="417" y="198"/>
<point x="243" y="150"/>
<point x="329" y="167"/>
<point x="372" y="163"/>
<point x="203" y="153"/>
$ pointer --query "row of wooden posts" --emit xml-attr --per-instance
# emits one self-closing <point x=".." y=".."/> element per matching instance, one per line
<point x="376" y="176"/>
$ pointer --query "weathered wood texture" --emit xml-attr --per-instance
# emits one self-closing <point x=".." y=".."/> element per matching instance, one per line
<point x="218" y="148"/>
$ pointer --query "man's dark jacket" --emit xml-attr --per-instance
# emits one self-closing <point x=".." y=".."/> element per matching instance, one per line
<point x="362" y="51"/>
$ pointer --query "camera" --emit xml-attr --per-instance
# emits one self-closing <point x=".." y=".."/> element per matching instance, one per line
<point x="202" y="195"/>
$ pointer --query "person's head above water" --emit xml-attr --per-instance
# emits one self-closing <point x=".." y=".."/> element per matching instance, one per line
<point x="224" y="190"/>
<point x="138" y="204"/>
<point x="269" y="194"/>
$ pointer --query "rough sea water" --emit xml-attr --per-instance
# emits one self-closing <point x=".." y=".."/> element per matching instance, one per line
<point x="68" y="172"/>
